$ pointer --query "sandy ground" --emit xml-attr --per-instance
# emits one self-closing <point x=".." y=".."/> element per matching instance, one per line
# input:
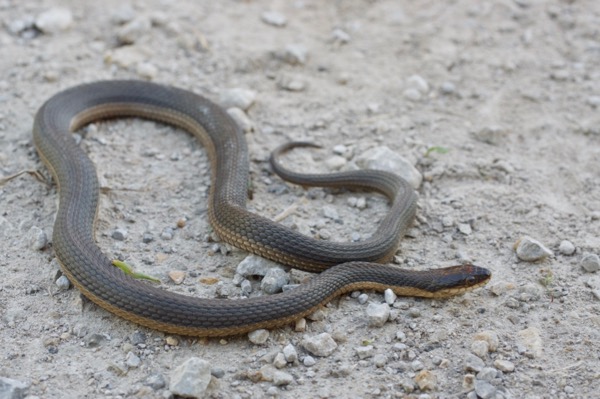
<point x="511" y="89"/>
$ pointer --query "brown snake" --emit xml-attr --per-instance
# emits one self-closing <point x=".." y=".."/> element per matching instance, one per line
<point x="345" y="266"/>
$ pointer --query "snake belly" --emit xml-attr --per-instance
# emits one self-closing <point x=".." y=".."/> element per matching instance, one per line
<point x="344" y="266"/>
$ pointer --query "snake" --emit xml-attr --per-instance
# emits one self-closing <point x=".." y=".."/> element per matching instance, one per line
<point x="342" y="267"/>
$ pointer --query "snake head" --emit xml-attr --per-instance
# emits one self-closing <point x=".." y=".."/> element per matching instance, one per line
<point x="459" y="279"/>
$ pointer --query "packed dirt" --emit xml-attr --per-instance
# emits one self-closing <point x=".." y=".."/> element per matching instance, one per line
<point x="497" y="104"/>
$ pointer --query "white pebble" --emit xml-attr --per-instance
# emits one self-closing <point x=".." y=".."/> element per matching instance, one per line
<point x="383" y="158"/>
<point x="378" y="314"/>
<point x="504" y="365"/>
<point x="531" y="250"/>
<point x="289" y="351"/>
<point x="54" y="20"/>
<point x="258" y="337"/>
<point x="364" y="352"/>
<point x="191" y="378"/>
<point x="590" y="263"/>
<point x="309" y="361"/>
<point x="363" y="298"/>
<point x="274" y="18"/>
<point x="63" y="283"/>
<point x="480" y="348"/>
<point x="238" y="98"/>
<point x="321" y="345"/>
<point x="390" y="296"/>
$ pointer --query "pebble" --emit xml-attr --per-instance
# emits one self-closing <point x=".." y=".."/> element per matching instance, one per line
<point x="191" y="378"/>
<point x="480" y="348"/>
<point x="300" y="325"/>
<point x="330" y="212"/>
<point x="426" y="380"/>
<point x="530" y="338"/>
<point x="593" y="101"/>
<point x="242" y="120"/>
<point x="146" y="70"/>
<point x="237" y="98"/>
<point x="253" y="265"/>
<point x="487" y="374"/>
<point x="119" y="234"/>
<point x="378" y="314"/>
<point x="258" y="337"/>
<point x="335" y="162"/>
<point x="383" y="158"/>
<point x="566" y="247"/>
<point x="484" y="389"/>
<point x="246" y="287"/>
<point x="295" y="54"/>
<point x="155" y="381"/>
<point x="37" y="238"/>
<point x="126" y="56"/>
<point x="291" y="83"/>
<point x="321" y="345"/>
<point x="502" y="287"/>
<point x="54" y="20"/>
<point x="132" y="360"/>
<point x="279" y="361"/>
<point x="590" y="263"/>
<point x="167" y="233"/>
<point x="177" y="276"/>
<point x="389" y="296"/>
<point x="95" y="340"/>
<point x="531" y="250"/>
<point x="171" y="340"/>
<point x="123" y="14"/>
<point x="473" y="363"/>
<point x="147" y="237"/>
<point x="274" y="18"/>
<point x="340" y="36"/>
<point x="412" y="94"/>
<point x="380" y="360"/>
<point x="274" y="280"/>
<point x="364" y="352"/>
<point x="309" y="361"/>
<point x="138" y="338"/>
<point x="417" y="82"/>
<point x="63" y="283"/>
<point x="493" y="135"/>
<point x="290" y="353"/>
<point x="133" y="30"/>
<point x="278" y="377"/>
<point x="217" y="372"/>
<point x="465" y="228"/>
<point x="491" y="337"/>
<point x="362" y="298"/>
<point x="12" y="389"/>
<point x="448" y="88"/>
<point x="504" y="365"/>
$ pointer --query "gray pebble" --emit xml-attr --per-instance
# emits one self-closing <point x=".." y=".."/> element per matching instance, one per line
<point x="95" y="340"/>
<point x="155" y="381"/>
<point x="237" y="98"/>
<point x="253" y="265"/>
<point x="309" y="361"/>
<point x="191" y="378"/>
<point x="63" y="283"/>
<point x="504" y="365"/>
<point x="364" y="352"/>
<point x="590" y="263"/>
<point x="274" y="18"/>
<point x="465" y="228"/>
<point x="566" y="247"/>
<point x="130" y="32"/>
<point x="531" y="250"/>
<point x="279" y="360"/>
<point x="448" y="88"/>
<point x="274" y="280"/>
<point x="132" y="360"/>
<point x="321" y="345"/>
<point x="54" y="20"/>
<point x="12" y="389"/>
<point x="289" y="351"/>
<point x="419" y="83"/>
<point x="378" y="314"/>
<point x="291" y="83"/>
<point x="484" y="389"/>
<point x="242" y="120"/>
<point x="362" y="298"/>
<point x="147" y="237"/>
<point x="390" y="296"/>
<point x="335" y="162"/>
<point x="480" y="348"/>
<point x="380" y="360"/>
<point x="167" y="233"/>
<point x="330" y="212"/>
<point x="417" y="365"/>
<point x="119" y="234"/>
<point x="37" y="238"/>
<point x="272" y="391"/>
<point x="246" y="286"/>
<point x="281" y="378"/>
<point x="473" y="363"/>
<point x="138" y="338"/>
<point x="295" y="54"/>
<point x="487" y="374"/>
<point x="383" y="158"/>
<point x="258" y="337"/>
<point x="217" y="372"/>
<point x="412" y="94"/>
<point x="340" y="36"/>
<point x="122" y="14"/>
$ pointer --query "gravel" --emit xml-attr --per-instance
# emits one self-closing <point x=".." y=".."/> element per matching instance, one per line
<point x="190" y="379"/>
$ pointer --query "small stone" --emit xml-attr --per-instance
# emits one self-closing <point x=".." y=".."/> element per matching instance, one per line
<point x="426" y="380"/>
<point x="258" y="337"/>
<point x="279" y="360"/>
<point x="473" y="363"/>
<point x="246" y="287"/>
<point x="172" y="341"/>
<point x="253" y="265"/>
<point x="177" y="276"/>
<point x="335" y="162"/>
<point x="502" y="287"/>
<point x="504" y="365"/>
<point x="126" y="56"/>
<point x="493" y="135"/>
<point x="237" y="98"/>
<point x="132" y="360"/>
<point x="291" y="83"/>
<point x="590" y="263"/>
<point x="119" y="234"/>
<point x="340" y="36"/>
<point x="274" y="18"/>
<point x="281" y="378"/>
<point x="300" y="325"/>
<point x="217" y="372"/>
<point x="54" y="20"/>
<point x="317" y="315"/>
<point x="273" y="391"/>
<point x="491" y="337"/>
<point x="309" y="361"/>
<point x="363" y="298"/>
<point x="155" y="381"/>
<point x="133" y="30"/>
<point x="95" y="340"/>
<point x="37" y="238"/>
<point x="330" y="212"/>
<point x="146" y="70"/>
<point x="484" y="389"/>
<point x="566" y="247"/>
<point x="63" y="283"/>
<point x="191" y="378"/>
<point x="364" y="352"/>
<point x="167" y="233"/>
<point x="593" y="101"/>
<point x="412" y="94"/>
<point x="380" y="360"/>
<point x="448" y="88"/>
<point x="383" y="158"/>
<point x="321" y="345"/>
<point x="138" y="338"/>
<point x="242" y="119"/>
<point x="12" y="389"/>
<point x="531" y="250"/>
<point x="290" y="353"/>
<point x="295" y="54"/>
<point x="378" y="314"/>
<point x="390" y="296"/>
<point x="122" y="14"/>
<point x="417" y="82"/>
<point x="531" y="339"/>
<point x="487" y="374"/>
<point x="480" y="348"/>
<point x="465" y="228"/>
<point x="147" y="238"/>
<point x="274" y="280"/>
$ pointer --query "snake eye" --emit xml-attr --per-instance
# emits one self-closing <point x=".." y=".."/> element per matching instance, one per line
<point x="470" y="280"/>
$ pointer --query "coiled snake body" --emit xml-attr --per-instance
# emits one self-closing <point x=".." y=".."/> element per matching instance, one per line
<point x="345" y="266"/>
